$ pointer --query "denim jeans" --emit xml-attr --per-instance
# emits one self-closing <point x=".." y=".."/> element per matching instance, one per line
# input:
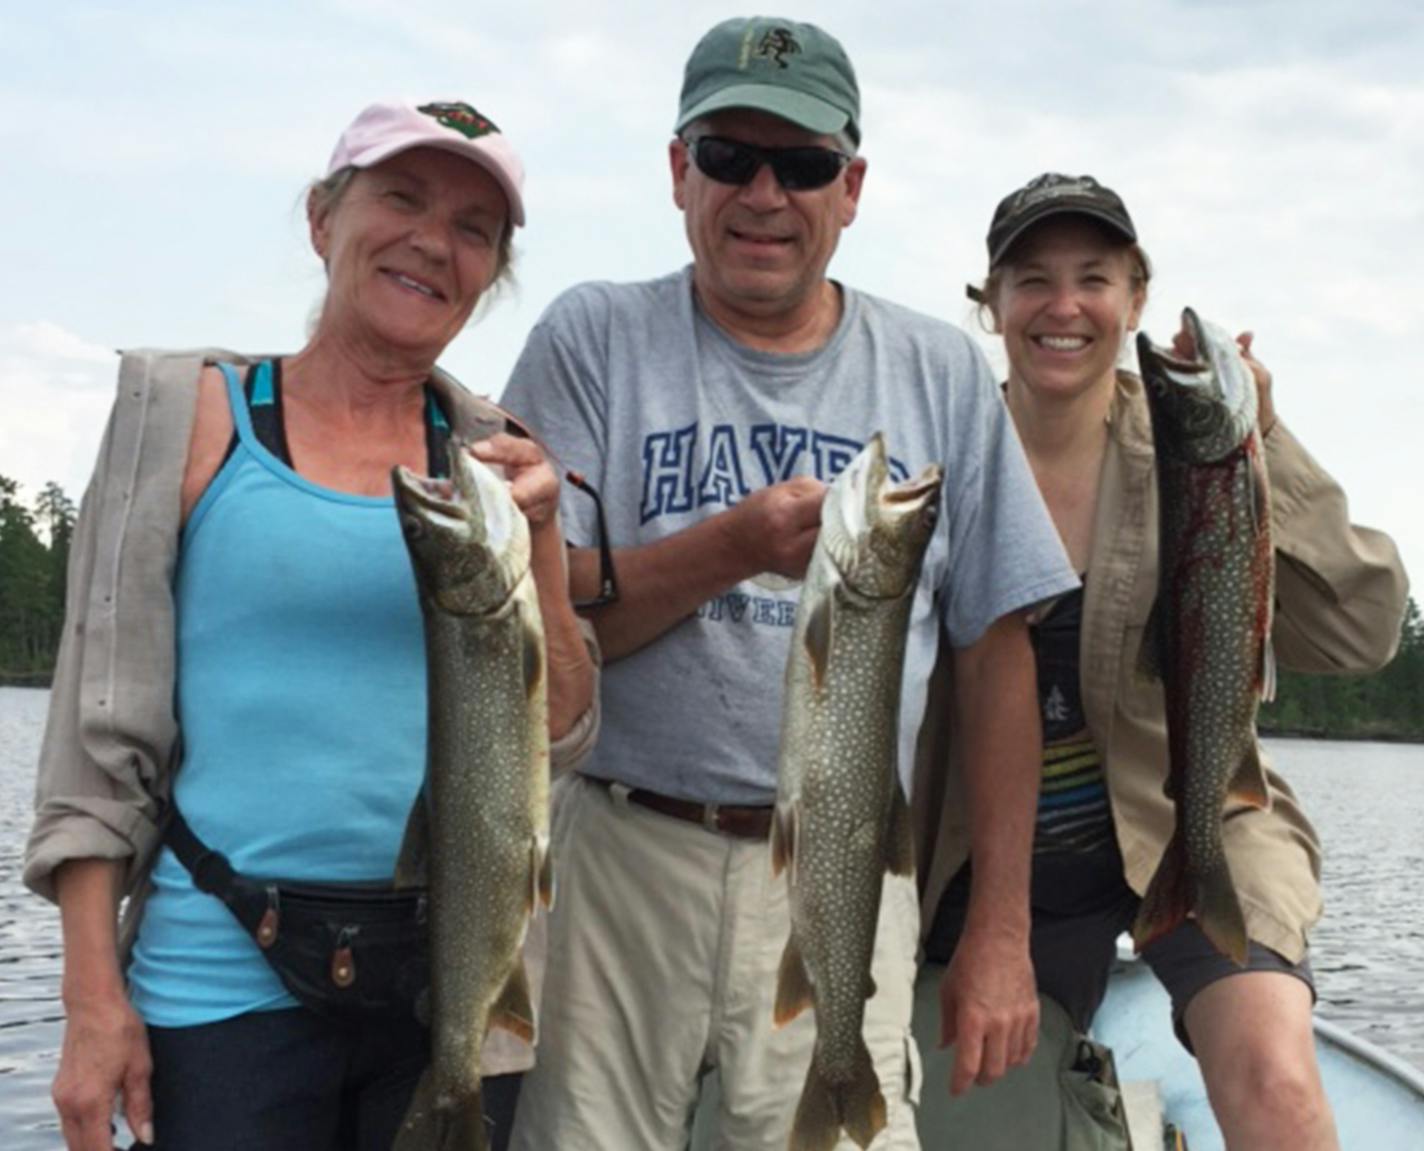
<point x="292" y="1081"/>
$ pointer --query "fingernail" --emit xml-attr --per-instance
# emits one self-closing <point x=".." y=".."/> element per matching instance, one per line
<point x="145" y="1133"/>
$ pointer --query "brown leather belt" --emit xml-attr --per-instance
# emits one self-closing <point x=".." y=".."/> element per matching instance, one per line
<point x="729" y="819"/>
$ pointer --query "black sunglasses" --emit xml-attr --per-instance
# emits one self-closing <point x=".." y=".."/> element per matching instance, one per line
<point x="796" y="169"/>
<point x="607" y="576"/>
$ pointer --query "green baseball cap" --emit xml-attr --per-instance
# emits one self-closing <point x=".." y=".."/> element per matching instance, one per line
<point x="790" y="70"/>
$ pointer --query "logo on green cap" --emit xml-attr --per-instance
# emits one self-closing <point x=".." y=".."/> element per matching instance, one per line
<point x="461" y="117"/>
<point x="778" y="44"/>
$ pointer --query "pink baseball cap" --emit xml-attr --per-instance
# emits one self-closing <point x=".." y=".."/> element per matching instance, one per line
<point x="383" y="130"/>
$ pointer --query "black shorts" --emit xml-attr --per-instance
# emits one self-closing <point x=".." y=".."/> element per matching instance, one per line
<point x="1081" y="905"/>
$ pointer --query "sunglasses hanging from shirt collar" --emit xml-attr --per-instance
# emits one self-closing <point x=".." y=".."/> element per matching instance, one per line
<point x="607" y="576"/>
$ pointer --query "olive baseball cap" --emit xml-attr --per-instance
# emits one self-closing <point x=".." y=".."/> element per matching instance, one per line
<point x="794" y="71"/>
<point x="1052" y="194"/>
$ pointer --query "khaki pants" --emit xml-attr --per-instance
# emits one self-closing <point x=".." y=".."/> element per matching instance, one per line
<point x="663" y="954"/>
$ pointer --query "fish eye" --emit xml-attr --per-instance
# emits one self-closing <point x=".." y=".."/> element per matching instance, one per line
<point x="413" y="527"/>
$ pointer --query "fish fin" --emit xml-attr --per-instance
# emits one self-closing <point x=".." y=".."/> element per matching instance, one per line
<point x="544" y="870"/>
<point x="783" y="838"/>
<point x="422" y="1006"/>
<point x="412" y="864"/>
<point x="427" y="1127"/>
<point x="1268" y="671"/>
<point x="794" y="992"/>
<point x="533" y="658"/>
<point x="826" y="1108"/>
<point x="1168" y="897"/>
<point x="1219" y="914"/>
<point x="870" y="988"/>
<point x="900" y="843"/>
<point x="1150" y="660"/>
<point x="514" y="1009"/>
<point x="818" y="640"/>
<point x="1248" y="785"/>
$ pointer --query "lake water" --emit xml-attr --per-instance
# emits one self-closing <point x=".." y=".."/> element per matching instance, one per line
<point x="1366" y="799"/>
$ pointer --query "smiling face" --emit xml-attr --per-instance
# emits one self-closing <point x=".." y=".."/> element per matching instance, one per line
<point x="760" y="251"/>
<point x="409" y="248"/>
<point x="1065" y="300"/>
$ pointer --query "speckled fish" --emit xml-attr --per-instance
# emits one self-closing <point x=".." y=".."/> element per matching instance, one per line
<point x="1209" y="635"/>
<point x="841" y="817"/>
<point x="479" y="832"/>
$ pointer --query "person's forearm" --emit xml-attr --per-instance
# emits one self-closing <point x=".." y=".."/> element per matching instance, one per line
<point x="996" y="698"/>
<point x="88" y="893"/>
<point x="570" y="667"/>
<point x="661" y="584"/>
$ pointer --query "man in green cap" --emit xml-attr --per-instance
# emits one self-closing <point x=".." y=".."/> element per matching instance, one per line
<point x="711" y="407"/>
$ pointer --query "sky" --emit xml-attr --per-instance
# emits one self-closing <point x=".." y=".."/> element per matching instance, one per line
<point x="154" y="155"/>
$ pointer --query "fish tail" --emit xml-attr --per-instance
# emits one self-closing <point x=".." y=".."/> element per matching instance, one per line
<point x="428" y="1127"/>
<point x="1168" y="898"/>
<point x="826" y="1108"/>
<point x="1219" y="914"/>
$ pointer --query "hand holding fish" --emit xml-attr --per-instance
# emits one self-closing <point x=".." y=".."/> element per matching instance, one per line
<point x="1185" y="346"/>
<point x="988" y="1008"/>
<point x="776" y="526"/>
<point x="532" y="480"/>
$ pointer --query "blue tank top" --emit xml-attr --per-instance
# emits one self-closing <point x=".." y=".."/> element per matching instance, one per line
<point x="301" y="701"/>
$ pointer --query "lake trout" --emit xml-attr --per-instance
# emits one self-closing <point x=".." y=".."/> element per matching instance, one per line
<point x="1208" y="638"/>
<point x="478" y="834"/>
<point x="841" y="818"/>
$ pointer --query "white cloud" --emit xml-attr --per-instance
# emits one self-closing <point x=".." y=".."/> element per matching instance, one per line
<point x="55" y="391"/>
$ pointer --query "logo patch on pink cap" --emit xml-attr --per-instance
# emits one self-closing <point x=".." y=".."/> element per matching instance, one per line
<point x="461" y="117"/>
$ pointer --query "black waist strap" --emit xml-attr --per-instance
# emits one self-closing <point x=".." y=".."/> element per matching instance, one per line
<point x="254" y="904"/>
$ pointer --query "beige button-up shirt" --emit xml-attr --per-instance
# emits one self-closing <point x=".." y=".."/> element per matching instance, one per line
<point x="1340" y="599"/>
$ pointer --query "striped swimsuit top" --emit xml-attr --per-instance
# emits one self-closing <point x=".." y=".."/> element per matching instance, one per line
<point x="1073" y="811"/>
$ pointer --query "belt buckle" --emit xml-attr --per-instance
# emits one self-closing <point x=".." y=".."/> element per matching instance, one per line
<point x="710" y="812"/>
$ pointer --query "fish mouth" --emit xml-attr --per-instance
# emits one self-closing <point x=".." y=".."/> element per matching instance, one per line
<point x="1169" y="359"/>
<point x="435" y="500"/>
<point x="917" y="489"/>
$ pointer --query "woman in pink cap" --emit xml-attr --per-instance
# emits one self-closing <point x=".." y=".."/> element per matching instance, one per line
<point x="242" y="608"/>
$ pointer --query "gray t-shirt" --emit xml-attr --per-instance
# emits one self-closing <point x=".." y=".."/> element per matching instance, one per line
<point x="673" y="421"/>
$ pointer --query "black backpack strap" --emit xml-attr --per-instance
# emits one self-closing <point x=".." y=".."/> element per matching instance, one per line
<point x="263" y="388"/>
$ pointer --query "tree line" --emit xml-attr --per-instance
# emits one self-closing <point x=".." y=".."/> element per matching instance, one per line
<point x="34" y="557"/>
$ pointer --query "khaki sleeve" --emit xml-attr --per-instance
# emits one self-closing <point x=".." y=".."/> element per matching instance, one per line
<point x="81" y="810"/>
<point x="1340" y="589"/>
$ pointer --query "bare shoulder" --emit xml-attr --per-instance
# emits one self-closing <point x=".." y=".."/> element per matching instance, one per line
<point x="212" y="432"/>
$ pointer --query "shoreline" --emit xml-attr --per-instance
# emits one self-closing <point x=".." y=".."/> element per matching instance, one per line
<point x="35" y="679"/>
<point x="41" y="680"/>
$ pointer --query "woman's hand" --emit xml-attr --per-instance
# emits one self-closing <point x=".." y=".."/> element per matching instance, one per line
<point x="1185" y="346"/>
<point x="532" y="480"/>
<point x="1265" y="406"/>
<point x="105" y="1055"/>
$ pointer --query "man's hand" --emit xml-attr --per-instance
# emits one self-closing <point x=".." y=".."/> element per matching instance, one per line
<point x="988" y="1008"/>
<point x="776" y="527"/>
